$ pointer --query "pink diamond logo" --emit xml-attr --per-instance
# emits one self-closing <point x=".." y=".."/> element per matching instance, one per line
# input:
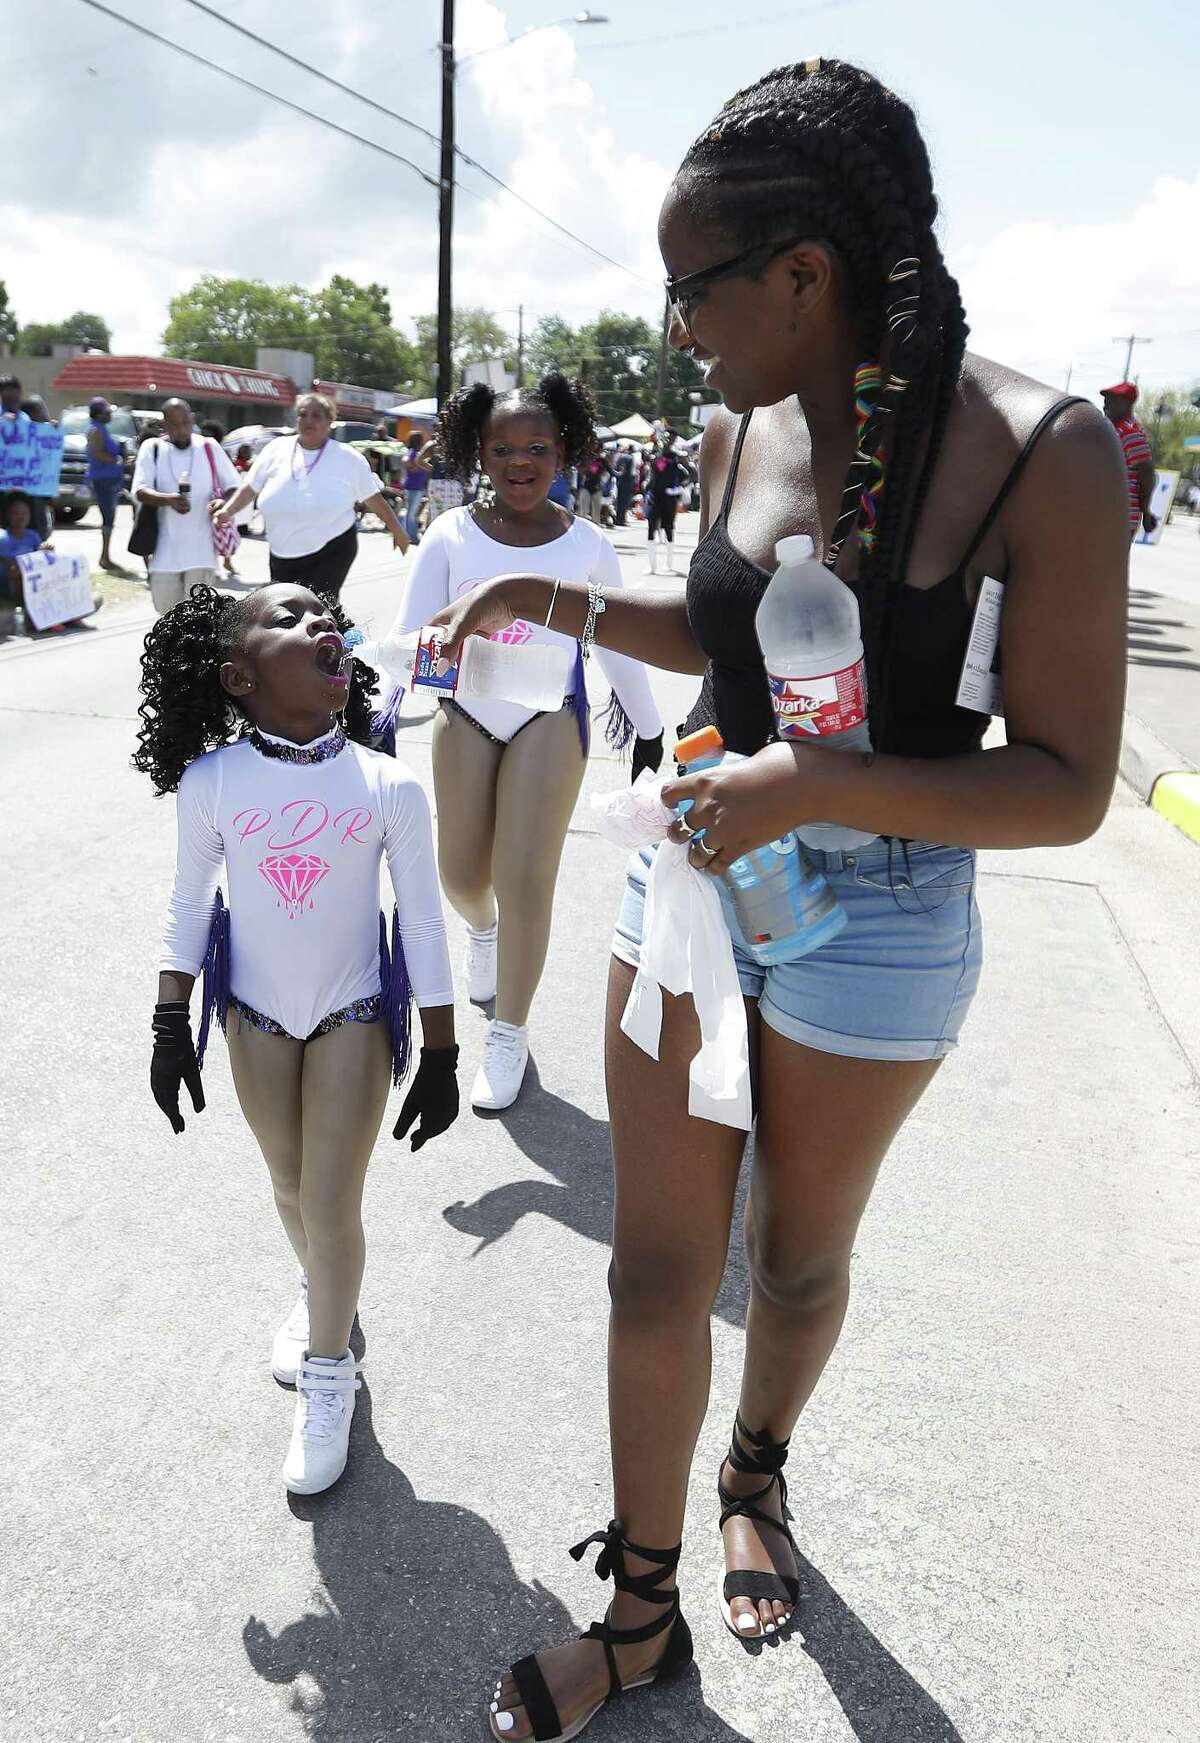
<point x="516" y="635"/>
<point x="294" y="876"/>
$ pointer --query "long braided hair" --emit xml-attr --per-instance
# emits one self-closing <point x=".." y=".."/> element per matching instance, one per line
<point x="822" y="147"/>
<point x="185" y="710"/>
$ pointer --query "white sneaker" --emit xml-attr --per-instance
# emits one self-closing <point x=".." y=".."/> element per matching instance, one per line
<point x="291" y="1340"/>
<point x="479" y="965"/>
<point x="505" y="1056"/>
<point x="325" y="1388"/>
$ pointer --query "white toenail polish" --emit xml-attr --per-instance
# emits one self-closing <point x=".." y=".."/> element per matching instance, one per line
<point x="505" y="1721"/>
<point x="769" y="1628"/>
<point x="495" y="1706"/>
<point x="746" y="1624"/>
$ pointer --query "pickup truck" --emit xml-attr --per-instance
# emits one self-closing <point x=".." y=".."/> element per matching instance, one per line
<point x="74" y="492"/>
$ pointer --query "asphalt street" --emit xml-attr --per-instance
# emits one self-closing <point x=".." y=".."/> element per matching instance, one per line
<point x="994" y="1487"/>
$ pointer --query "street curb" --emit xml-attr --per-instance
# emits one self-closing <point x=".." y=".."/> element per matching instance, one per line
<point x="1160" y="777"/>
<point x="1177" y="798"/>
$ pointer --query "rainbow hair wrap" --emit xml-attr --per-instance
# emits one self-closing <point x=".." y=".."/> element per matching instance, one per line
<point x="868" y="380"/>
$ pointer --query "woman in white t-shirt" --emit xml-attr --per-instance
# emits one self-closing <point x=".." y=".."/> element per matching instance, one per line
<point x="507" y="779"/>
<point x="308" y="489"/>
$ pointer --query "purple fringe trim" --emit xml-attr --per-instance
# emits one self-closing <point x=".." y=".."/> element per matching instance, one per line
<point x="215" y="993"/>
<point x="618" y="728"/>
<point x="385" y="720"/>
<point x="579" y="703"/>
<point x="396" y="994"/>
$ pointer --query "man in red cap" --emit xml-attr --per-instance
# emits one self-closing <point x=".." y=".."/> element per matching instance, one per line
<point x="1119" y="402"/>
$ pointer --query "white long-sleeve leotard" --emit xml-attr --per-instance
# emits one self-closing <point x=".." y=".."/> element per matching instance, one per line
<point x="455" y="555"/>
<point x="303" y="845"/>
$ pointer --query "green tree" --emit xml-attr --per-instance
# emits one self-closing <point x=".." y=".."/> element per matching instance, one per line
<point x="1169" y="415"/>
<point x="355" y="339"/>
<point x="476" y="337"/>
<point x="553" y="345"/>
<point x="82" y="328"/>
<point x="621" y="354"/>
<point x="8" y="319"/>
<point x="224" y="320"/>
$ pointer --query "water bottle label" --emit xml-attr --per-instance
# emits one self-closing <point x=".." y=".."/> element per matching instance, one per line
<point x="819" y="707"/>
<point x="430" y="671"/>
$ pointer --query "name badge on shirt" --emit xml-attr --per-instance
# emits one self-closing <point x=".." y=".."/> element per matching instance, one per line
<point x="979" y="683"/>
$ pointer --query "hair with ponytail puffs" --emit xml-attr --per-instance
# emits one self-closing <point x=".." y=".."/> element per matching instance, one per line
<point x="567" y="404"/>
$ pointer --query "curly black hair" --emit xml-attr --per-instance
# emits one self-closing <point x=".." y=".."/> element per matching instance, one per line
<point x="185" y="710"/>
<point x="823" y="148"/>
<point x="568" y="404"/>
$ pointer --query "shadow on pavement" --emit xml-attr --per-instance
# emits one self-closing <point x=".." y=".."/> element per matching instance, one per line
<point x="420" y="1610"/>
<point x="881" y="1701"/>
<point x="573" y="1149"/>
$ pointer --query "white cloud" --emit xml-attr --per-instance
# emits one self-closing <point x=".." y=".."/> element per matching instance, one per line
<point x="211" y="179"/>
<point x="1042" y="297"/>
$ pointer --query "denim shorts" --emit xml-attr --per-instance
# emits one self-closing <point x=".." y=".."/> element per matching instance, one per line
<point x="896" y="982"/>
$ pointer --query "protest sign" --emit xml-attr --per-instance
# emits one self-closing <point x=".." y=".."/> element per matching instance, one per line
<point x="57" y="589"/>
<point x="30" y="456"/>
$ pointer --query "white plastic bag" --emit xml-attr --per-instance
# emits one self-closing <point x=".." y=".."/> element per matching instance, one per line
<point x="686" y="948"/>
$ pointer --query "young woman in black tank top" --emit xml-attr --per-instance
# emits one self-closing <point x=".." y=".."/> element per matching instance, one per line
<point x="799" y="239"/>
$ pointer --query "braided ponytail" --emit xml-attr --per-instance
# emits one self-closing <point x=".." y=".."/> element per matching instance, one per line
<point x="824" y="147"/>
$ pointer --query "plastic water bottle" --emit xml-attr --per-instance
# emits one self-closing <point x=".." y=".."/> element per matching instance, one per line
<point x="782" y="904"/>
<point x="811" y="640"/>
<point x="532" y="675"/>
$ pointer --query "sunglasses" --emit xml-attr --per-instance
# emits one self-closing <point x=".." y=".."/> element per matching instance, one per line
<point x="685" y="292"/>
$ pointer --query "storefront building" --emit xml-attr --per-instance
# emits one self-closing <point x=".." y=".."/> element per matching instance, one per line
<point x="232" y="396"/>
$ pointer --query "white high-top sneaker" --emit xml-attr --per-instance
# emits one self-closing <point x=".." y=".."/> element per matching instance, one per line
<point x="505" y="1056"/>
<point x="316" y="1457"/>
<point x="479" y="964"/>
<point x="291" y="1340"/>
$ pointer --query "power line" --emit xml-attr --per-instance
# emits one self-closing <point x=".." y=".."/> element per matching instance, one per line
<point x="261" y="91"/>
<point x="415" y="126"/>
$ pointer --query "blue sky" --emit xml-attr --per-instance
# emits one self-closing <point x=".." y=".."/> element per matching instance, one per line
<point x="1067" y="164"/>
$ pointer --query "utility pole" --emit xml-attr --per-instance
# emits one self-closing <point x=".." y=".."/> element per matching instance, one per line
<point x="1129" y="340"/>
<point x="520" y="344"/>
<point x="445" y="305"/>
<point x="1067" y="382"/>
<point x="661" y="396"/>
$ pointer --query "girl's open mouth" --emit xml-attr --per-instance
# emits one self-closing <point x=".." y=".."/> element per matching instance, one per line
<point x="332" y="659"/>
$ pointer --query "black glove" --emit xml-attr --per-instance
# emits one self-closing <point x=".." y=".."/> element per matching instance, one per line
<point x="174" y="1062"/>
<point x="433" y="1095"/>
<point x="647" y="754"/>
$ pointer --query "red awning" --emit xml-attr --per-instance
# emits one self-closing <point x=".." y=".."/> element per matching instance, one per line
<point x="95" y="372"/>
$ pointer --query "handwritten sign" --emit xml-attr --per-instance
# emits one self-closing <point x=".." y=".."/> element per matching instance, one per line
<point x="57" y="589"/>
<point x="30" y="456"/>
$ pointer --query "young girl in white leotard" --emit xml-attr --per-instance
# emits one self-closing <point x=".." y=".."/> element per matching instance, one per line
<point x="507" y="779"/>
<point x="298" y="969"/>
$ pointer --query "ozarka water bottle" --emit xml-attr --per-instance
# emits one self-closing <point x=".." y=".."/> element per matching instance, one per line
<point x="783" y="907"/>
<point x="811" y="640"/>
<point x="532" y="676"/>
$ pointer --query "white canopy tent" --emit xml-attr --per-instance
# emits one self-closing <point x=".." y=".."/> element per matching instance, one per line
<point x="634" y="428"/>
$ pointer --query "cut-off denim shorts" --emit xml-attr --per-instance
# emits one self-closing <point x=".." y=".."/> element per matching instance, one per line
<point x="896" y="982"/>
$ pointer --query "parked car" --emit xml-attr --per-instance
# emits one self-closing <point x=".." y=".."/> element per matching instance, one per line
<point x="74" y="492"/>
<point x="348" y="431"/>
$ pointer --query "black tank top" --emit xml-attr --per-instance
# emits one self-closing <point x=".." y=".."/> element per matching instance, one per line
<point x="932" y="626"/>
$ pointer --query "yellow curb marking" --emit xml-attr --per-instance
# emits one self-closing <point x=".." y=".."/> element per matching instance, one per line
<point x="1177" y="798"/>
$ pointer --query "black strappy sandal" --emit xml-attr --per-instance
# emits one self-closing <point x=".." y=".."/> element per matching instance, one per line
<point x="527" y="1673"/>
<point x="768" y="1459"/>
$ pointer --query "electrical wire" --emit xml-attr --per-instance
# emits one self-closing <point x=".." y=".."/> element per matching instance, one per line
<point x="415" y="126"/>
<point x="261" y="91"/>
